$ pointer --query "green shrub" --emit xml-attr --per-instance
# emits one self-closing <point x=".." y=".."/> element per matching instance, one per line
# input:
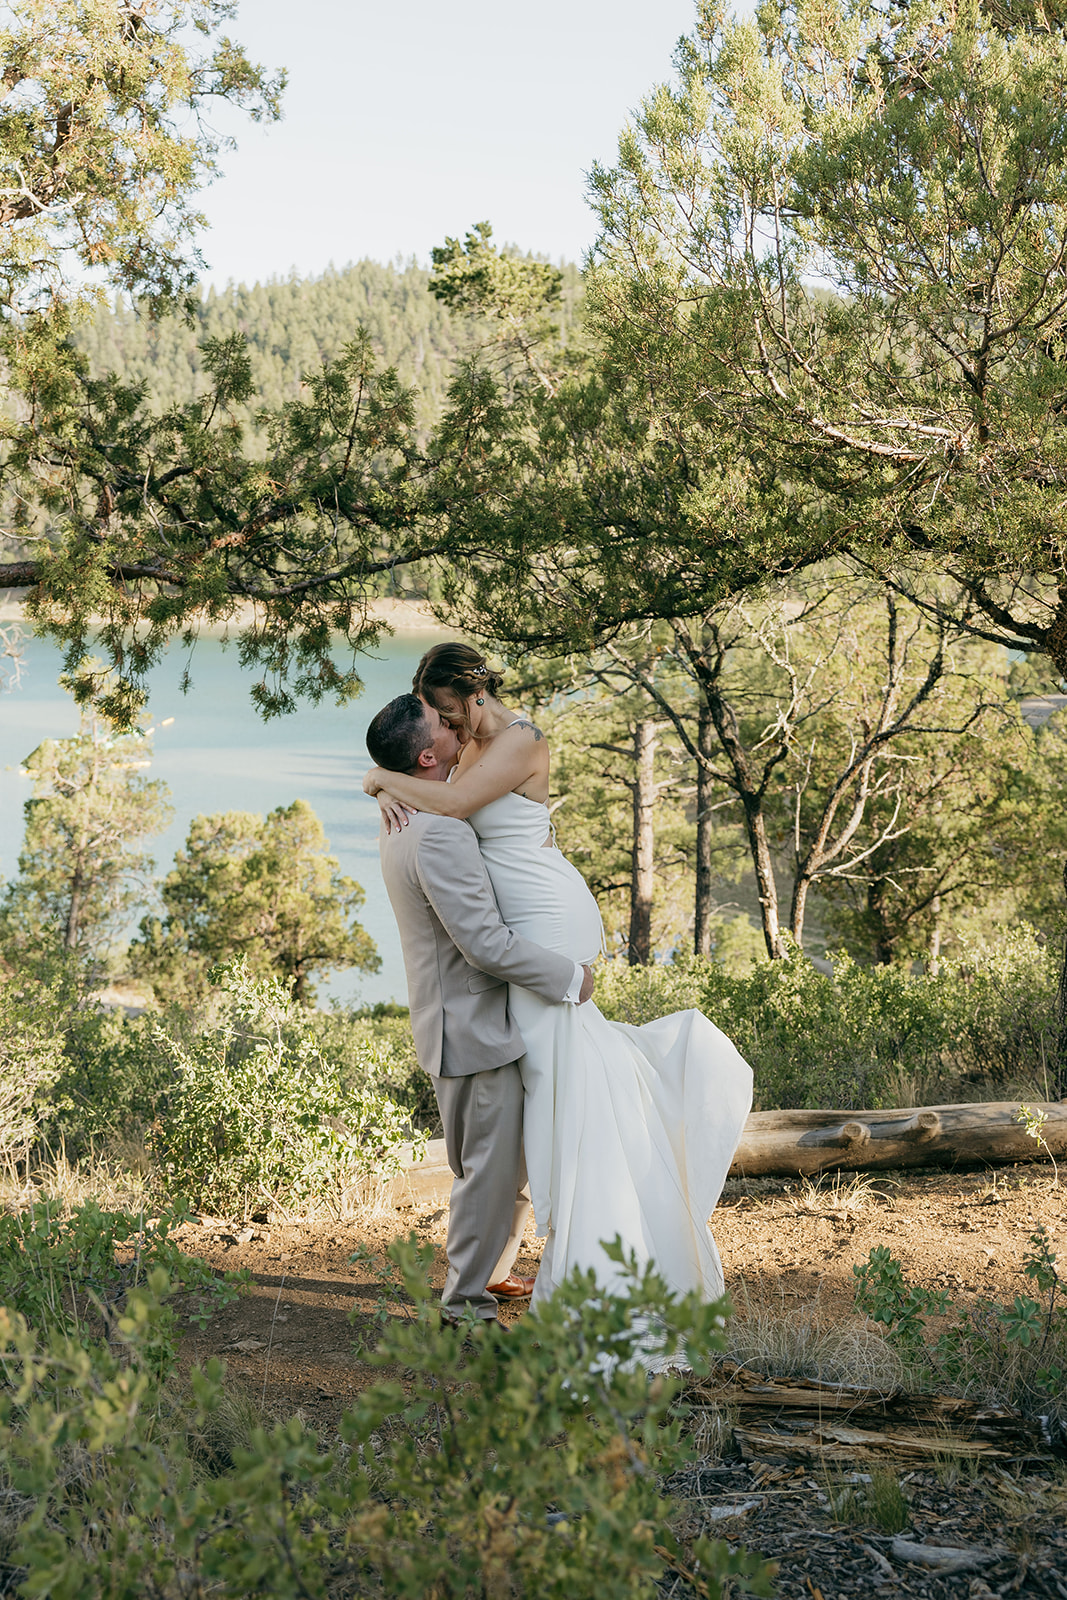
<point x="1015" y="1353"/>
<point x="71" y="1275"/>
<point x="30" y="1063"/>
<point x="258" y="1116"/>
<point x="373" y="1050"/>
<point x="865" y="1036"/>
<point x="106" y="1072"/>
<point x="115" y="1076"/>
<point x="528" y="1467"/>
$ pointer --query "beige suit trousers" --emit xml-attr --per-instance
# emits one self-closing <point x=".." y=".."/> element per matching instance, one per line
<point x="482" y="1117"/>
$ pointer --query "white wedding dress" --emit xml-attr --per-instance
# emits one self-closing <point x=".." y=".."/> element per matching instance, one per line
<point x="628" y="1131"/>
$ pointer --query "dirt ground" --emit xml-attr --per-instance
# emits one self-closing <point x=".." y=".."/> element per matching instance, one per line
<point x="292" y="1343"/>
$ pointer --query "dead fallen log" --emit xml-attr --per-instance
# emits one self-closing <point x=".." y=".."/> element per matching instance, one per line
<point x="804" y="1143"/>
<point x="803" y="1419"/>
<point x="787" y="1144"/>
<point x="835" y="1443"/>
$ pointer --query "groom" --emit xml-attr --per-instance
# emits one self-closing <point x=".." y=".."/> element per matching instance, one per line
<point x="459" y="959"/>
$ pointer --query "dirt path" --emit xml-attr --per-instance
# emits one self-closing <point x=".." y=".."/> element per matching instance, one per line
<point x="779" y="1242"/>
<point x="292" y="1342"/>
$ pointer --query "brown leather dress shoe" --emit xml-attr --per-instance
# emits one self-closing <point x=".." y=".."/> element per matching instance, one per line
<point x="512" y="1288"/>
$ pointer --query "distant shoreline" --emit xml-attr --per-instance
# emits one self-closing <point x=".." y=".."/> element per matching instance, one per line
<point x="403" y="616"/>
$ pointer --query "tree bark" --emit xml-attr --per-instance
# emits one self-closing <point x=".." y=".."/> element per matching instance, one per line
<point x="70" y="932"/>
<point x="799" y="907"/>
<point x="763" y="860"/>
<point x="642" y="883"/>
<point x="876" y="910"/>
<point x="805" y="1418"/>
<point x="933" y="965"/>
<point x="788" y="1143"/>
<point x="705" y="789"/>
<point x="751" y="796"/>
<point x="1060" y="1085"/>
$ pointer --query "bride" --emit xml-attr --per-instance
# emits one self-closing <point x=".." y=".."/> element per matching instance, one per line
<point x="628" y="1131"/>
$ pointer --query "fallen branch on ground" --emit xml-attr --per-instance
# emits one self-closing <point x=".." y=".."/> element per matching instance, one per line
<point x="800" y="1418"/>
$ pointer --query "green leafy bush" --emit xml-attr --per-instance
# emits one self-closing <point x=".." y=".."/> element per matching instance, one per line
<point x="866" y="1036"/>
<point x="532" y="1464"/>
<point x="71" y="1275"/>
<point x="1014" y="1352"/>
<point x="258" y="1115"/>
<point x="30" y="1062"/>
<point x="373" y="1050"/>
<point x="527" y="1467"/>
<point x="115" y="1076"/>
<point x="106" y="1072"/>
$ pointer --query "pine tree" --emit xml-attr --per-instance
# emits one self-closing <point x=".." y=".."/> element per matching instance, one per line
<point x="258" y="887"/>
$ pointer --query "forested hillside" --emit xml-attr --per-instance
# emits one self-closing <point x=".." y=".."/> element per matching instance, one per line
<point x="291" y="326"/>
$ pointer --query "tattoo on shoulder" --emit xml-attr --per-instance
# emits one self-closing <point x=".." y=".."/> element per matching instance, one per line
<point x="526" y="723"/>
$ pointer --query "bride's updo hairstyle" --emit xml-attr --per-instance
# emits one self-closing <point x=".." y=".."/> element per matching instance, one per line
<point x="449" y="674"/>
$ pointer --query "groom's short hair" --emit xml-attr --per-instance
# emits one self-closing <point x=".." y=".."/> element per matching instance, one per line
<point x="399" y="734"/>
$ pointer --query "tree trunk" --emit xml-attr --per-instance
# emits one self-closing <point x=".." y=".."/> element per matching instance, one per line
<point x="876" y="910"/>
<point x="74" y="909"/>
<point x="798" y="909"/>
<point x="751" y="797"/>
<point x="933" y="965"/>
<point x="642" y="882"/>
<point x="721" y="717"/>
<point x="1060" y="1084"/>
<point x="705" y="790"/>
<point x="763" y="861"/>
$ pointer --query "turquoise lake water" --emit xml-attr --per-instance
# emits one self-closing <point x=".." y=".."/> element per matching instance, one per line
<point x="217" y="755"/>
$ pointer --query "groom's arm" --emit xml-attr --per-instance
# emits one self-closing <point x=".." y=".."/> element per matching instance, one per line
<point x="454" y="880"/>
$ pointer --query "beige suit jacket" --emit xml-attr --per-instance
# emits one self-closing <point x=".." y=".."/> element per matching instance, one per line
<point x="458" y="954"/>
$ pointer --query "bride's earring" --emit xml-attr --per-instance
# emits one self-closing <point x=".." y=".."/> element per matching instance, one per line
<point x="480" y="701"/>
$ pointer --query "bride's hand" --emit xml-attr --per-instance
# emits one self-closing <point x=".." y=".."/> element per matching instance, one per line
<point x="374" y="781"/>
<point x="395" y="814"/>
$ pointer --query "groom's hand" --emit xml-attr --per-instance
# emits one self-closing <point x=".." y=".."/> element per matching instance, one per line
<point x="586" y="991"/>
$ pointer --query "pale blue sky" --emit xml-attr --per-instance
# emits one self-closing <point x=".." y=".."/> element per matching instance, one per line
<point x="410" y="120"/>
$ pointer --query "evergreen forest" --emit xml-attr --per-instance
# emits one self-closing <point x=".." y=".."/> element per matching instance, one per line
<point x="291" y="326"/>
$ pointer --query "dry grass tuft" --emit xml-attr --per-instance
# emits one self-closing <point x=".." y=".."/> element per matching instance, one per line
<point x="370" y="1196"/>
<point x="776" y="1336"/>
<point x="953" y="1470"/>
<point x="838" y="1195"/>
<point x="117" y="1181"/>
<point x="712" y="1429"/>
<point x="229" y="1428"/>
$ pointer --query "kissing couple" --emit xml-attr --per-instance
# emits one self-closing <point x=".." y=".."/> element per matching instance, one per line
<point x="607" y="1129"/>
